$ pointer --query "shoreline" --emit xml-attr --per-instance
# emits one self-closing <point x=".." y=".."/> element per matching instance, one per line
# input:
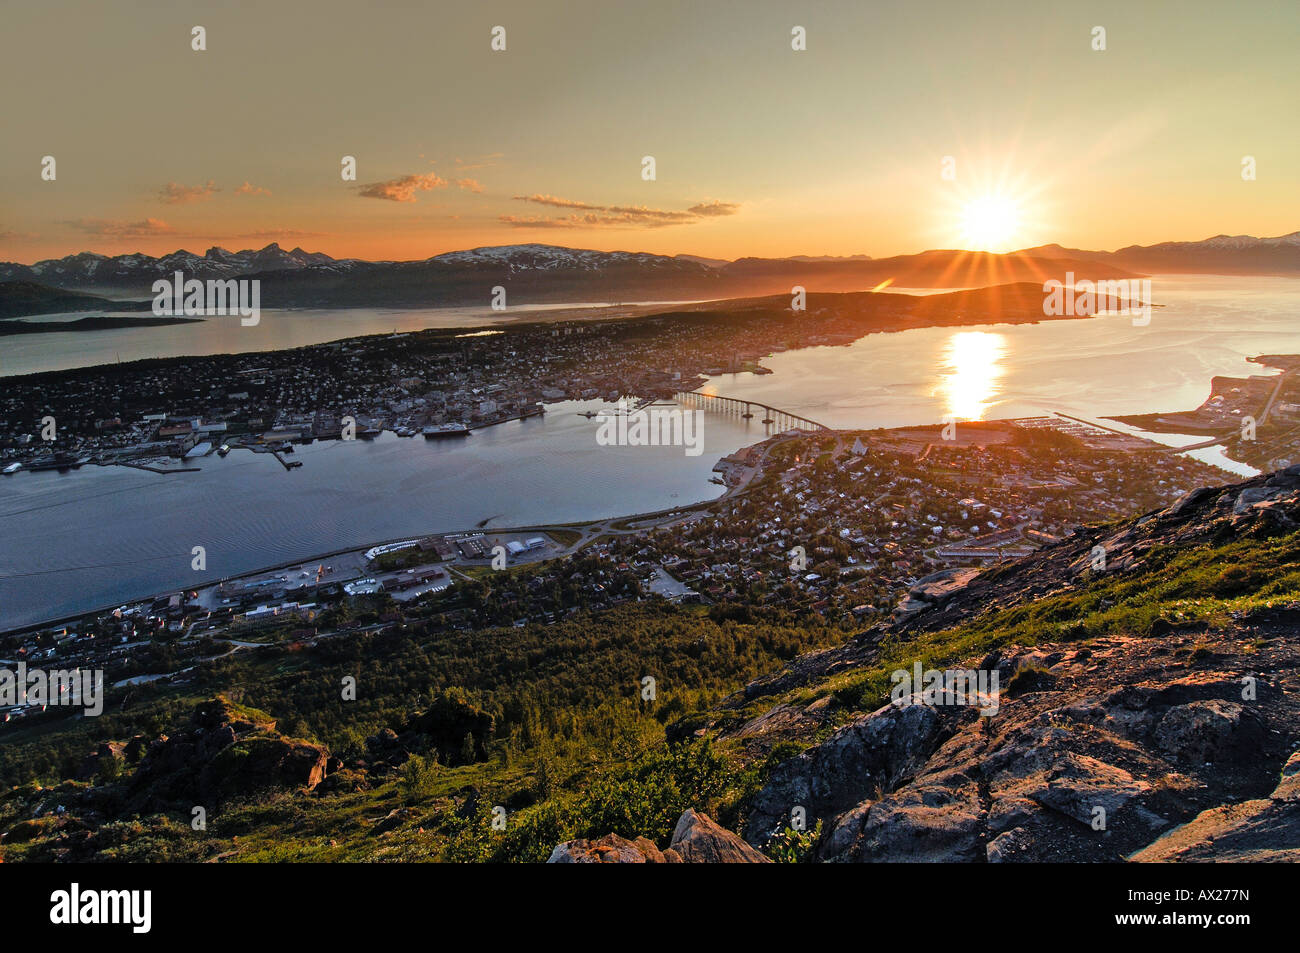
<point x="538" y="317"/>
<point x="590" y="530"/>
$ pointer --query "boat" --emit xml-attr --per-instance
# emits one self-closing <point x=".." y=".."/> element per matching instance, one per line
<point x="223" y="450"/>
<point x="12" y="468"/>
<point x="439" y="431"/>
<point x="59" y="461"/>
<point x="369" y="433"/>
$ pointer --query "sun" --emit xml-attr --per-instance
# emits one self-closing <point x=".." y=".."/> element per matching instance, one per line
<point x="990" y="222"/>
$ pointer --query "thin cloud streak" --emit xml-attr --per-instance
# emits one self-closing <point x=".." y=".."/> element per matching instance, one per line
<point x="613" y="216"/>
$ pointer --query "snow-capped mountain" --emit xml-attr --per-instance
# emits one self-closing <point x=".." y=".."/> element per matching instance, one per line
<point x="538" y="273"/>
<point x="301" y="278"/>
<point x="535" y="257"/>
<point x="137" y="271"/>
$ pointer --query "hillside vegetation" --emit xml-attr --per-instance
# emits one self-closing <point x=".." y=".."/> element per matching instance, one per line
<point x="1123" y="690"/>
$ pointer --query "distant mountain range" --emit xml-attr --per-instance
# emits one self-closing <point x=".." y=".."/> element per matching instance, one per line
<point x="1220" y="255"/>
<point x="534" y="273"/>
<point x="136" y="272"/>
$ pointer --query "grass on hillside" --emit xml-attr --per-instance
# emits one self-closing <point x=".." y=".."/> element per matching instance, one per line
<point x="575" y="752"/>
<point x="1208" y="586"/>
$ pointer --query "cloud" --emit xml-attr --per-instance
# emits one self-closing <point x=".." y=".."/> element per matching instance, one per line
<point x="557" y="202"/>
<point x="248" y="189"/>
<point x="714" y="209"/>
<point x="111" y="228"/>
<point x="175" y="194"/>
<point x="532" y="221"/>
<point x="403" y="189"/>
<point x="613" y="216"/>
<point x="628" y="219"/>
<point x="470" y="185"/>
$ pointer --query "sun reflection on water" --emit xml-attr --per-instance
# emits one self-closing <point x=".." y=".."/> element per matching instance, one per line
<point x="972" y="362"/>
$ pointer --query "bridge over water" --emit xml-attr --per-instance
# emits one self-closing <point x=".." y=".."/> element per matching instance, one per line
<point x="776" y="418"/>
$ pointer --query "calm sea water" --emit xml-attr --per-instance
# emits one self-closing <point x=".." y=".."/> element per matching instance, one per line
<point x="275" y="330"/>
<point x="1088" y="368"/>
<point x="74" y="541"/>
<point x="99" y="535"/>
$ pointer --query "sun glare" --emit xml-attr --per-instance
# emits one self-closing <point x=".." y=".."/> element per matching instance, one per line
<point x="973" y="364"/>
<point x="990" y="223"/>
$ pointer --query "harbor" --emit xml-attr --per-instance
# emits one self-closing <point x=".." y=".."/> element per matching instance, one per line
<point x="101" y="535"/>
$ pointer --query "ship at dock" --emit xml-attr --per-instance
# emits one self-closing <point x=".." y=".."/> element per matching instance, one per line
<point x="59" y="461"/>
<point x="442" y="431"/>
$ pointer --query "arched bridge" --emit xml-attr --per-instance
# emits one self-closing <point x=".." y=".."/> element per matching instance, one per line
<point x="780" y="419"/>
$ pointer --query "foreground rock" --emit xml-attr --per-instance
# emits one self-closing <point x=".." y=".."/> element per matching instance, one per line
<point x="1266" y="830"/>
<point x="1082" y="772"/>
<point x="1159" y="739"/>
<point x="696" y="840"/>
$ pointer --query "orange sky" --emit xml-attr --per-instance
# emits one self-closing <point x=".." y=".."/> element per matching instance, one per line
<point x="760" y="149"/>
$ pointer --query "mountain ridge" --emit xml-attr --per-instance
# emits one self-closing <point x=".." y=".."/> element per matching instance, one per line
<point x="538" y="273"/>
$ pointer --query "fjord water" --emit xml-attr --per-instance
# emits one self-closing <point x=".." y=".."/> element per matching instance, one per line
<point x="275" y="330"/>
<point x="1206" y="326"/>
<point x="74" y="541"/>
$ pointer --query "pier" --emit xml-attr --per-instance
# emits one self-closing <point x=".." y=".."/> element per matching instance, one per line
<point x="774" y="417"/>
<point x="536" y="411"/>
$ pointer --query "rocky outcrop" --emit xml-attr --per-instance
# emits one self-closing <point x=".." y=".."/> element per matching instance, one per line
<point x="457" y="731"/>
<point x="225" y="753"/>
<point x="1160" y="739"/>
<point x="106" y="761"/>
<point x="873" y="753"/>
<point x="1074" y="769"/>
<point x="1208" y="732"/>
<point x="612" y="849"/>
<point x="700" y="841"/>
<point x="1263" y="830"/>
<point x="696" y="840"/>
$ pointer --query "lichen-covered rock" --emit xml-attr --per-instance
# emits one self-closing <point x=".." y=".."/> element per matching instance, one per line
<point x="696" y="840"/>
<point x="610" y="849"/>
<point x="937" y="822"/>
<point x="872" y="753"/>
<point x="1207" y="731"/>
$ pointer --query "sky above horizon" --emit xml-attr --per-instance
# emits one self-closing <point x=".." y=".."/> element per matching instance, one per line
<point x="837" y="149"/>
